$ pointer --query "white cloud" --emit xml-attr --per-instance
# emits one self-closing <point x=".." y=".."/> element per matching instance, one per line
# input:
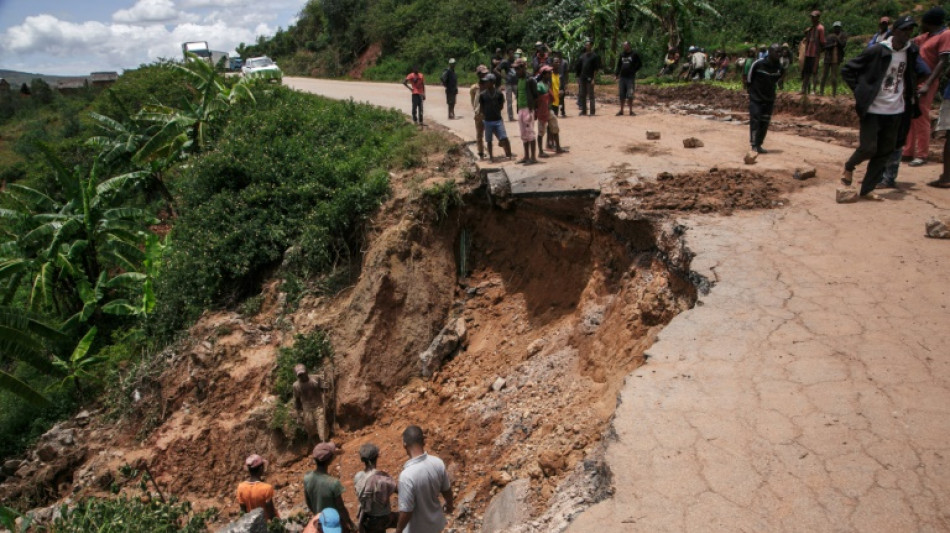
<point x="148" y="11"/>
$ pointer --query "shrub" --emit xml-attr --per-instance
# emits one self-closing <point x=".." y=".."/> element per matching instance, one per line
<point x="295" y="171"/>
<point x="312" y="350"/>
<point x="131" y="515"/>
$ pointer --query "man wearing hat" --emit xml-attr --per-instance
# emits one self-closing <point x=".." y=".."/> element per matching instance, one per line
<point x="541" y="55"/>
<point x="474" y="92"/>
<point x="834" y="53"/>
<point x="323" y="491"/>
<point x="313" y="400"/>
<point x="933" y="38"/>
<point x="373" y="489"/>
<point x="586" y="71"/>
<point x="814" y="43"/>
<point x="883" y="31"/>
<point x="883" y="79"/>
<point x="254" y="493"/>
<point x="451" y="83"/>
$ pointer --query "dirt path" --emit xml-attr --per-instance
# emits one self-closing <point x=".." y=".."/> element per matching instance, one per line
<point x="811" y="390"/>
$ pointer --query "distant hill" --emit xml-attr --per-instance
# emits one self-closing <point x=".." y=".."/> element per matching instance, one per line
<point x="17" y="78"/>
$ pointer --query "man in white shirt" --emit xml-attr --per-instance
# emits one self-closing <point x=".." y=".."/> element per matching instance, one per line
<point x="422" y="480"/>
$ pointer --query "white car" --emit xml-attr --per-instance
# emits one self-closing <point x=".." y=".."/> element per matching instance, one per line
<point x="262" y="68"/>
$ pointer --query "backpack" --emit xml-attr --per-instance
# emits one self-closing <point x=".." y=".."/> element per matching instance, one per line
<point x="445" y="76"/>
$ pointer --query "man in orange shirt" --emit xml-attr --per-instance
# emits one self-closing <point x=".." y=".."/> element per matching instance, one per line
<point x="254" y="493"/>
<point x="416" y="83"/>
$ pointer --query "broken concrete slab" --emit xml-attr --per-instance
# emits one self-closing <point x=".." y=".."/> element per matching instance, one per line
<point x="509" y="508"/>
<point x="938" y="227"/>
<point x="252" y="522"/>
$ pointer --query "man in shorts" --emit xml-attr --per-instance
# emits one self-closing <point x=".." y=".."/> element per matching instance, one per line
<point x="491" y="102"/>
<point x="627" y="66"/>
<point x="943" y="121"/>
<point x="527" y="98"/>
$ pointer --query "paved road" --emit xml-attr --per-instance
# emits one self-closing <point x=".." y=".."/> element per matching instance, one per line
<point x="811" y="389"/>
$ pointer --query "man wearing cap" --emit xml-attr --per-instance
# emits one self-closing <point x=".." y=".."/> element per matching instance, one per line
<point x="422" y="481"/>
<point x="416" y="83"/>
<point x="254" y="493"/>
<point x="527" y="98"/>
<point x="373" y="490"/>
<point x="627" y="66"/>
<point x="834" y="53"/>
<point x="451" y="83"/>
<point x="474" y="92"/>
<point x="541" y="55"/>
<point x="586" y="71"/>
<point x="313" y="400"/>
<point x="323" y="491"/>
<point x="883" y="79"/>
<point x="505" y="74"/>
<point x="933" y="39"/>
<point x="814" y="44"/>
<point x="763" y="77"/>
<point x="490" y="103"/>
<point x="883" y="31"/>
<point x="943" y="121"/>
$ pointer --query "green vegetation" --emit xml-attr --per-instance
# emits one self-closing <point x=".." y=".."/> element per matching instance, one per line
<point x="329" y="37"/>
<point x="312" y="350"/>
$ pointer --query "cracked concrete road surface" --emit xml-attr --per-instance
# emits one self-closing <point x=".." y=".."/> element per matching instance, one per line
<point x="810" y="390"/>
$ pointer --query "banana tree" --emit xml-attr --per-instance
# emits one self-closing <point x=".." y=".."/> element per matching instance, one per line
<point x="79" y="363"/>
<point x="26" y="338"/>
<point x="674" y="16"/>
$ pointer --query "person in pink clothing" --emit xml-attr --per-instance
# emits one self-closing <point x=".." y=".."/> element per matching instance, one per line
<point x="934" y="39"/>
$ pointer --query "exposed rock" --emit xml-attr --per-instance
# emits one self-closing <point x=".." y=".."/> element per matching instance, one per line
<point x="750" y="157"/>
<point x="500" y="478"/>
<point x="551" y="462"/>
<point x="442" y="346"/>
<point x="499" y="187"/>
<point x="846" y="195"/>
<point x="938" y="228"/>
<point x="11" y="466"/>
<point x="692" y="142"/>
<point x="48" y="452"/>
<point x="461" y="330"/>
<point x="509" y="508"/>
<point x="804" y="173"/>
<point x="653" y="135"/>
<point x="252" y="522"/>
<point x="536" y="346"/>
<point x="498" y="384"/>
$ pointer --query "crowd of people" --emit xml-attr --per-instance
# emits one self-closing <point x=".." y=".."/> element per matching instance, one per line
<point x="421" y="483"/>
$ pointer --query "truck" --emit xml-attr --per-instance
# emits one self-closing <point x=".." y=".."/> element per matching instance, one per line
<point x="215" y="58"/>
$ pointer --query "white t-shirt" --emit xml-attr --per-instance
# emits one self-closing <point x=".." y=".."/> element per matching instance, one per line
<point x="890" y="97"/>
<point x="421" y="482"/>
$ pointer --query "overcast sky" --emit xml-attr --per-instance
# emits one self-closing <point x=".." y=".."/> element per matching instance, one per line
<point x="76" y="37"/>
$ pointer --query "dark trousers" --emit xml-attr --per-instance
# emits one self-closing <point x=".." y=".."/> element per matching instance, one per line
<point x="833" y="69"/>
<point x="876" y="141"/>
<point x="585" y="91"/>
<point x="760" y="116"/>
<point x="417" y="105"/>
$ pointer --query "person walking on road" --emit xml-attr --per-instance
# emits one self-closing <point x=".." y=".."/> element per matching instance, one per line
<point x="586" y="71"/>
<point x="416" y="83"/>
<point x="763" y="78"/>
<point x="627" y="66"/>
<point x="883" y="81"/>
<point x="321" y="490"/>
<point x="313" y="400"/>
<point x="933" y="38"/>
<point x="422" y="481"/>
<point x="474" y="92"/>
<point x="254" y="493"/>
<point x="527" y="98"/>
<point x="451" y="83"/>
<point x="834" y="53"/>
<point x="814" y="43"/>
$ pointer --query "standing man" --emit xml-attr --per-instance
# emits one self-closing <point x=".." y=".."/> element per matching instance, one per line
<point x="416" y="83"/>
<point x="943" y="121"/>
<point x="321" y="490"/>
<point x="586" y="70"/>
<point x="814" y="44"/>
<point x="373" y="490"/>
<point x="564" y="77"/>
<point x="527" y="98"/>
<point x="834" y="53"/>
<point x="763" y="77"/>
<point x="884" y="81"/>
<point x="451" y="83"/>
<point x="541" y="55"/>
<point x="254" y="493"/>
<point x="883" y="31"/>
<point x="933" y="38"/>
<point x="313" y="399"/>
<point x="474" y="92"/>
<point x="505" y="73"/>
<point x="490" y="103"/>
<point x="627" y="66"/>
<point x="422" y="480"/>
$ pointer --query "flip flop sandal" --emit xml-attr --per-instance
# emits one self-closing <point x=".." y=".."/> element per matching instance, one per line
<point x="847" y="181"/>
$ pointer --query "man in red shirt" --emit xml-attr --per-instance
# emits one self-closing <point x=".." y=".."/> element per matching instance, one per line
<point x="416" y="83"/>
<point x="934" y="39"/>
<point x="814" y="44"/>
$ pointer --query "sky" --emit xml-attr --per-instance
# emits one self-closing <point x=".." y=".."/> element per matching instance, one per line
<point x="76" y="37"/>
